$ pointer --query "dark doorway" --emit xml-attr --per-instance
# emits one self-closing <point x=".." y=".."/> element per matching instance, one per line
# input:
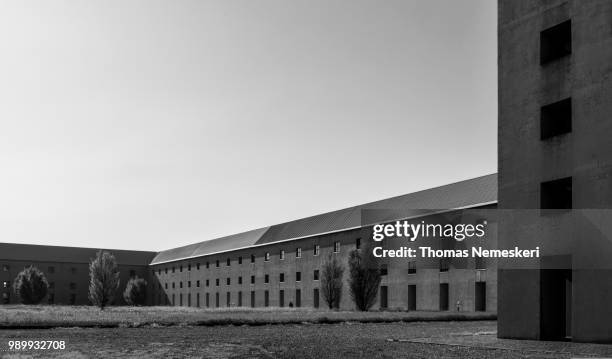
<point x="281" y="298"/>
<point x="555" y="304"/>
<point x="412" y="297"/>
<point x="443" y="296"/>
<point x="298" y="298"/>
<point x="384" y="297"/>
<point x="315" y="298"/>
<point x="480" y="295"/>
<point x="252" y="299"/>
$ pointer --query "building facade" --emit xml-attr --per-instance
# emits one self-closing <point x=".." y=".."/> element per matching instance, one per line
<point x="555" y="168"/>
<point x="281" y="265"/>
<point x="66" y="270"/>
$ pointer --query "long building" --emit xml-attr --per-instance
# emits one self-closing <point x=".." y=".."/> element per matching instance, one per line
<point x="280" y="265"/>
<point x="555" y="168"/>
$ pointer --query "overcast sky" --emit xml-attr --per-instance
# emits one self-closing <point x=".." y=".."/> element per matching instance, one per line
<point x="153" y="124"/>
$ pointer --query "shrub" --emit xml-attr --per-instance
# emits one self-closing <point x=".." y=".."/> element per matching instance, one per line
<point x="103" y="279"/>
<point x="135" y="291"/>
<point x="364" y="279"/>
<point x="31" y="285"/>
<point x="331" y="281"/>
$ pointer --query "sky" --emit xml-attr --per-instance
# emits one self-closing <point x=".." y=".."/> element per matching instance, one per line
<point x="152" y="124"/>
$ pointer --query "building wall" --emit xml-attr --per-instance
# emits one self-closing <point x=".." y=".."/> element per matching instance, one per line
<point x="66" y="270"/>
<point x="171" y="281"/>
<point x="525" y="161"/>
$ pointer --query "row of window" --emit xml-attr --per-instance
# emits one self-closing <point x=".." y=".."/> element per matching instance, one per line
<point x="161" y="300"/>
<point x="444" y="267"/>
<point x="228" y="281"/>
<point x="228" y="262"/>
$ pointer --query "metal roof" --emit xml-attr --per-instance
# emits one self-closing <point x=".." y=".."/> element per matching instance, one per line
<point x="473" y="192"/>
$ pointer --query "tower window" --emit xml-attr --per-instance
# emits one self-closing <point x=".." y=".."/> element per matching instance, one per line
<point x="556" y="194"/>
<point x="556" y="42"/>
<point x="556" y="119"/>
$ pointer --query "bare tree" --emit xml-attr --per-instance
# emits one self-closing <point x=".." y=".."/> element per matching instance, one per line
<point x="103" y="279"/>
<point x="364" y="279"/>
<point x="331" y="281"/>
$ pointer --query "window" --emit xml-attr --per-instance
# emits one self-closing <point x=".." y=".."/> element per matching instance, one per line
<point x="556" y="194"/>
<point x="267" y="257"/>
<point x="412" y="267"/>
<point x="384" y="269"/>
<point x="207" y="265"/>
<point x="252" y="258"/>
<point x="556" y="42"/>
<point x="207" y="300"/>
<point x="198" y="284"/>
<point x="298" y="252"/>
<point x="217" y="263"/>
<point x="173" y="269"/>
<point x="166" y="270"/>
<point x="181" y="284"/>
<point x="556" y="119"/>
<point x="166" y="285"/>
<point x="252" y="279"/>
<point x="480" y="263"/>
<point x="229" y="262"/>
<point x="181" y="269"/>
<point x="173" y="285"/>
<point x="358" y="243"/>
<point x="282" y="255"/>
<point x="72" y="286"/>
<point x="188" y="267"/>
<point x="240" y="260"/>
<point x="239" y="280"/>
<point x="217" y="282"/>
<point x="228" y="281"/>
<point x="266" y="279"/>
<point x="298" y="276"/>
<point x="316" y="250"/>
<point x="51" y="270"/>
<point x="444" y="265"/>
<point x="198" y="266"/>
<point x="336" y="247"/>
<point x="207" y="282"/>
<point x="316" y="274"/>
<point x="188" y="284"/>
<point x="282" y="277"/>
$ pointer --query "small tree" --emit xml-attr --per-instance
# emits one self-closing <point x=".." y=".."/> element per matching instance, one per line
<point x="103" y="279"/>
<point x="364" y="279"/>
<point x="30" y="285"/>
<point x="135" y="291"/>
<point x="331" y="281"/>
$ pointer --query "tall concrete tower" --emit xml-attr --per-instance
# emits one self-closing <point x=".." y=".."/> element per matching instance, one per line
<point x="555" y="168"/>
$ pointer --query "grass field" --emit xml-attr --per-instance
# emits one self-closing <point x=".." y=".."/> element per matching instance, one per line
<point x="347" y="340"/>
<point x="21" y="316"/>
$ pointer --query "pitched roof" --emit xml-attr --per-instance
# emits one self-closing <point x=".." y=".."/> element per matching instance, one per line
<point x="34" y="253"/>
<point x="469" y="193"/>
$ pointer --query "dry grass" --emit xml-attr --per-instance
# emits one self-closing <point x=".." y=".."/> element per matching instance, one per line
<point x="43" y="316"/>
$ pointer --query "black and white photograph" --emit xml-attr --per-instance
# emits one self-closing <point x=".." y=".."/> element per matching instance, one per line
<point x="306" y="179"/>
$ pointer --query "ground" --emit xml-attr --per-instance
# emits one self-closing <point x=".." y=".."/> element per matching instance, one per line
<point x="346" y="340"/>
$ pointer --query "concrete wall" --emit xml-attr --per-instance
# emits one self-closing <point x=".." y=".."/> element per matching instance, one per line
<point x="525" y="162"/>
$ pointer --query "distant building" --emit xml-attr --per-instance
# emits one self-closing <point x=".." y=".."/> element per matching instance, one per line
<point x="281" y="265"/>
<point x="555" y="168"/>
